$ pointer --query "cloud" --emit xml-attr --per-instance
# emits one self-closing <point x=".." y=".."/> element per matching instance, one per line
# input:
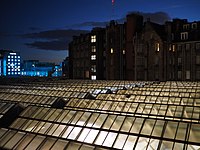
<point x="49" y="45"/>
<point x="52" y="39"/>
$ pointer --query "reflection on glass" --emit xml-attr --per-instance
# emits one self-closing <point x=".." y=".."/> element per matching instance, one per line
<point x="153" y="144"/>
<point x="142" y="143"/>
<point x="127" y="124"/>
<point x="91" y="136"/>
<point x="130" y="142"/>
<point x="83" y="135"/>
<point x="59" y="129"/>
<point x="101" y="137"/>
<point x="92" y="120"/>
<point x="117" y="123"/>
<point x="67" y="132"/>
<point x="194" y="133"/>
<point x="170" y="129"/>
<point x="148" y="126"/>
<point x="74" y="133"/>
<point x="181" y="131"/>
<point x="121" y="139"/>
<point x="48" y="143"/>
<point x="110" y="139"/>
<point x="158" y="128"/>
<point x="137" y="125"/>
<point x="60" y="144"/>
<point x="35" y="142"/>
<point x="109" y="121"/>
<point x="25" y="141"/>
<point x="166" y="145"/>
<point x="98" y="123"/>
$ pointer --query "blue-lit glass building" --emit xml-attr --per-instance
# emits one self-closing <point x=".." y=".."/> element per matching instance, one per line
<point x="10" y="63"/>
<point x="36" y="68"/>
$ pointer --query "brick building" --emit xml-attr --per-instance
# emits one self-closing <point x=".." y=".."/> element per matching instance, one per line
<point x="138" y="50"/>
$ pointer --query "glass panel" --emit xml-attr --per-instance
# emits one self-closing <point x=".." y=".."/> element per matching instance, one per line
<point x="193" y="147"/>
<point x="7" y="137"/>
<point x="148" y="126"/>
<point x="35" y="142"/>
<point x="74" y="133"/>
<point x="52" y="129"/>
<point x="121" y="139"/>
<point x="45" y="128"/>
<point x="101" y="137"/>
<point x="142" y="143"/>
<point x="48" y="143"/>
<point x="137" y="125"/>
<point x="92" y="119"/>
<point x="91" y="136"/>
<point x="67" y="132"/>
<point x="194" y="133"/>
<point x="157" y="131"/>
<point x="153" y="144"/>
<point x="25" y="141"/>
<point x="130" y="142"/>
<point x="100" y="120"/>
<point x="127" y="124"/>
<point x="68" y="116"/>
<point x="77" y="117"/>
<point x="15" y="139"/>
<point x="60" y="144"/>
<point x="83" y="135"/>
<point x="83" y="119"/>
<point x="181" y="131"/>
<point x="117" y="123"/>
<point x="110" y="139"/>
<point x="109" y="121"/>
<point x="87" y="147"/>
<point x="59" y="130"/>
<point x="178" y="146"/>
<point x="73" y="146"/>
<point x="170" y="129"/>
<point x="166" y="145"/>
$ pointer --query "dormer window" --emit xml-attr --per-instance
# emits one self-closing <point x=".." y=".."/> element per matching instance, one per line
<point x="194" y="25"/>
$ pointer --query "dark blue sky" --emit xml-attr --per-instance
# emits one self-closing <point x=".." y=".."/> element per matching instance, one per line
<point x="42" y="29"/>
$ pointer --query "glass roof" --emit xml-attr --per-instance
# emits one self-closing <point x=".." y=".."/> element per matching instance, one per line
<point x="117" y="115"/>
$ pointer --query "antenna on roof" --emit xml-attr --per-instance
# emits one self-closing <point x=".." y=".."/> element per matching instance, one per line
<point x="113" y="10"/>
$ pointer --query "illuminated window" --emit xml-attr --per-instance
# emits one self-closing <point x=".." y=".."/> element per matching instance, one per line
<point x="124" y="52"/>
<point x="184" y="35"/>
<point x="173" y="48"/>
<point x="93" y="68"/>
<point x="170" y="47"/>
<point x="93" y="77"/>
<point x="93" y="38"/>
<point x="93" y="48"/>
<point x="8" y="56"/>
<point x="111" y="51"/>
<point x="157" y="47"/>
<point x="93" y="57"/>
<point x="8" y="59"/>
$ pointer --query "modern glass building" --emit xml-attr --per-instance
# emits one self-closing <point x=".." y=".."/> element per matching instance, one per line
<point x="98" y="115"/>
<point x="10" y="63"/>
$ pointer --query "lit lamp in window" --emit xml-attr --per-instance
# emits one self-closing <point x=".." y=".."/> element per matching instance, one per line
<point x="157" y="47"/>
<point x="111" y="51"/>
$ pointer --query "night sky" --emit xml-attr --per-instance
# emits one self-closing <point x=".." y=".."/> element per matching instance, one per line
<point x="42" y="29"/>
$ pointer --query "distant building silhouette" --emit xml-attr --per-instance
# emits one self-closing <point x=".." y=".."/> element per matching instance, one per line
<point x="138" y="51"/>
